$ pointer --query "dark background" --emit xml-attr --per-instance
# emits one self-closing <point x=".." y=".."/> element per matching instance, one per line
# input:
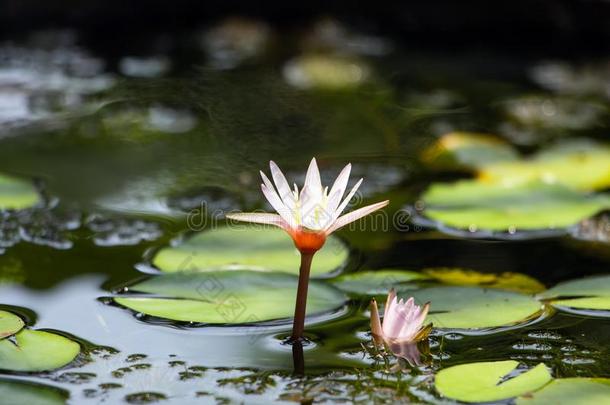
<point x="569" y="29"/>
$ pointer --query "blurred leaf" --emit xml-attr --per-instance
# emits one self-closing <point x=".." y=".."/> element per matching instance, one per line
<point x="9" y="324"/>
<point x="579" y="165"/>
<point x="378" y="282"/>
<point x="17" y="194"/>
<point x="228" y="297"/>
<point x="253" y="248"/>
<point x="475" y="308"/>
<point x="36" y="351"/>
<point x="459" y="150"/>
<point x="325" y="72"/>
<point x="587" y="293"/>
<point x="485" y="381"/>
<point x="505" y="281"/>
<point x="31" y="394"/>
<point x="570" y="391"/>
<point x="476" y="205"/>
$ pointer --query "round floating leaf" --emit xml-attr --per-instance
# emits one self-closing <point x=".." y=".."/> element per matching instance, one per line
<point x="228" y="297"/>
<point x="378" y="282"/>
<point x="505" y="281"/>
<point x="17" y="194"/>
<point x="579" y="165"/>
<point x="570" y="391"/>
<point x="31" y="394"/>
<point x="475" y="308"/>
<point x="468" y="150"/>
<point x="36" y="351"/>
<point x="9" y="324"/>
<point x="252" y="248"/>
<point x="476" y="205"/>
<point x="587" y="293"/>
<point x="489" y="381"/>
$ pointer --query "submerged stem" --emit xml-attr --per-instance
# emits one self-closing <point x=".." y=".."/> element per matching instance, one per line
<point x="298" y="326"/>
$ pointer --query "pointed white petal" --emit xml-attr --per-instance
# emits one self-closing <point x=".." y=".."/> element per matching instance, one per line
<point x="388" y="302"/>
<point x="338" y="188"/>
<point x="347" y="199"/>
<point x="267" y="182"/>
<point x="313" y="181"/>
<point x="278" y="205"/>
<point x="282" y="185"/>
<point x="258" y="218"/>
<point x="355" y="215"/>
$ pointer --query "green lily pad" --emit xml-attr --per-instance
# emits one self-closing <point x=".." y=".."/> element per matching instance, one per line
<point x="36" y="351"/>
<point x="252" y="248"/>
<point x="17" y="194"/>
<point x="378" y="282"/>
<point x="9" y="324"/>
<point x="468" y="150"/>
<point x="476" y="308"/>
<point x="476" y="205"/>
<point x="506" y="281"/>
<point x="483" y="382"/>
<point x="228" y="297"/>
<point x="587" y="293"/>
<point x="579" y="165"/>
<point x="31" y="394"/>
<point x="570" y="391"/>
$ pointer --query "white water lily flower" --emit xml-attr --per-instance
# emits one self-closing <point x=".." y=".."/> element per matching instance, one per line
<point x="312" y="214"/>
<point x="403" y="322"/>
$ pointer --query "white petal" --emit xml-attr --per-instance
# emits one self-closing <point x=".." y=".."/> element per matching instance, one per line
<point x="267" y="182"/>
<point x="313" y="181"/>
<point x="282" y="185"/>
<point x="278" y="205"/>
<point x="395" y="321"/>
<point x="388" y="302"/>
<point x="312" y="210"/>
<point x="355" y="215"/>
<point x="348" y="198"/>
<point x="338" y="188"/>
<point x="258" y="218"/>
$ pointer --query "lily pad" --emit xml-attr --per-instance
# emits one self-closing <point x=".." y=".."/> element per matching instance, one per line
<point x="19" y="392"/>
<point x="9" y="324"/>
<point x="252" y="248"/>
<point x="36" y="351"/>
<point x="468" y="150"/>
<point x="570" y="391"/>
<point x="505" y="281"/>
<point x="378" y="282"/>
<point x="587" y="293"/>
<point x="486" y="381"/>
<point x="476" y="308"/>
<point x="476" y="205"/>
<point x="17" y="194"/>
<point x="579" y="165"/>
<point x="228" y="297"/>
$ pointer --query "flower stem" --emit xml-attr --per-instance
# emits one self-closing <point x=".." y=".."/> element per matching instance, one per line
<point x="299" y="310"/>
<point x="297" y="358"/>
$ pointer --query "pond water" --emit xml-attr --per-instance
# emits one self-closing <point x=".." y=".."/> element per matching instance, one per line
<point x="134" y="153"/>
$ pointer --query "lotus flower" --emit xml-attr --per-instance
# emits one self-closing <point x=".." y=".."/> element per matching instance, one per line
<point x="403" y="322"/>
<point x="312" y="214"/>
<point x="308" y="216"/>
